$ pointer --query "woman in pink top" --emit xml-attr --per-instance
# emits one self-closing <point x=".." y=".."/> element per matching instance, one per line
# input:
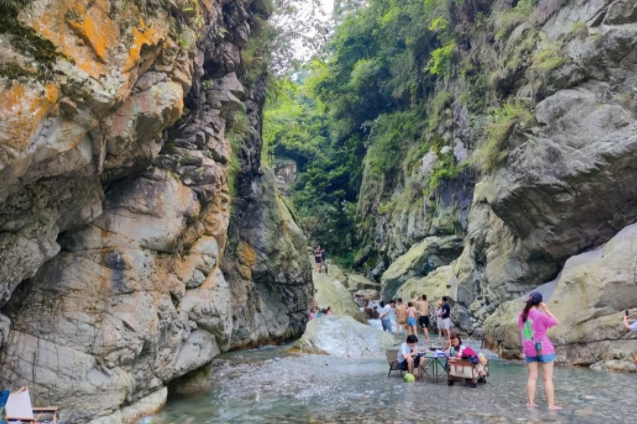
<point x="534" y="321"/>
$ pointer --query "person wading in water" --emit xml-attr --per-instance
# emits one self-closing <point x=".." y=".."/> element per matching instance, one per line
<point x="535" y="319"/>
<point x="423" y="312"/>
<point x="401" y="317"/>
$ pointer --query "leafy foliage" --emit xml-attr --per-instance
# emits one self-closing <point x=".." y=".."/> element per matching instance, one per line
<point x="501" y="124"/>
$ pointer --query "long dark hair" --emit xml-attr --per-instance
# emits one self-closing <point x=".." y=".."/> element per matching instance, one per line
<point x="455" y="336"/>
<point x="529" y="304"/>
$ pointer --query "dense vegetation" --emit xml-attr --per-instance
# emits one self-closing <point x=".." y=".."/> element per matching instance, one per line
<point x="401" y="80"/>
<point x="361" y="107"/>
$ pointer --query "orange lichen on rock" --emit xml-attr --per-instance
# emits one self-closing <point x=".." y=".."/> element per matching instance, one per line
<point x="90" y="30"/>
<point x="246" y="259"/>
<point x="142" y="35"/>
<point x="23" y="107"/>
<point x="85" y="35"/>
<point x="92" y="37"/>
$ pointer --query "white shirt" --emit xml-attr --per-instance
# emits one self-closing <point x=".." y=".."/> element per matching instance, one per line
<point x="633" y="326"/>
<point x="387" y="309"/>
<point x="404" y="349"/>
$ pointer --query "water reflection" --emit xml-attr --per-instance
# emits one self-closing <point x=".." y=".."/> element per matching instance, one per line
<point x="273" y="386"/>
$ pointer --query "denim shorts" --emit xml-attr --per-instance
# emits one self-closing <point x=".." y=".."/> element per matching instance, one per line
<point x="411" y="321"/>
<point x="542" y="359"/>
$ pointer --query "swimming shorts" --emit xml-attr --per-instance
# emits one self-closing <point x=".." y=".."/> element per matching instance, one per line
<point x="411" y="321"/>
<point x="542" y="359"/>
<point x="404" y="366"/>
<point x="424" y="321"/>
<point x="446" y="323"/>
<point x="401" y="321"/>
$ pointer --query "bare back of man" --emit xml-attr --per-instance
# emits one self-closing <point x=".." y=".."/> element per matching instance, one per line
<point x="423" y="312"/>
<point x="401" y="317"/>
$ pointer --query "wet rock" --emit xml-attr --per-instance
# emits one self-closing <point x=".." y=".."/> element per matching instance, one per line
<point x="342" y="336"/>
<point x="148" y="405"/>
<point x="371" y="313"/>
<point x="268" y="270"/>
<point x="363" y="297"/>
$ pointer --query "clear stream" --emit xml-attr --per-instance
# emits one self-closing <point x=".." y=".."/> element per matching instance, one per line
<point x="271" y="385"/>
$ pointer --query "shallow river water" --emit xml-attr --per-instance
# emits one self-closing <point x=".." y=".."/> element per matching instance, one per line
<point x="270" y="385"/>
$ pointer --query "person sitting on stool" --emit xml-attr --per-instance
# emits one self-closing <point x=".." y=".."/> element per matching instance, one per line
<point x="408" y="358"/>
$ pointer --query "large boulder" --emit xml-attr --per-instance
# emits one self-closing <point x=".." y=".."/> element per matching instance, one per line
<point x="351" y="280"/>
<point x="419" y="261"/>
<point x="342" y="336"/>
<point x="356" y="282"/>
<point x="331" y="292"/>
<point x="592" y="291"/>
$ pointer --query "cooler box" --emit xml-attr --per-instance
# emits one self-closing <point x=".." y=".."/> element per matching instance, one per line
<point x="467" y="370"/>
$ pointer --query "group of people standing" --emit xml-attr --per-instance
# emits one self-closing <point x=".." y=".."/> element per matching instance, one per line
<point x="319" y="260"/>
<point x="414" y="314"/>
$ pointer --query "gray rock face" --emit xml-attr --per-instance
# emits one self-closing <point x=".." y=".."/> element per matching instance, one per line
<point x="566" y="185"/>
<point x="115" y="220"/>
<point x="419" y="261"/>
<point x="286" y="174"/>
<point x="265" y="261"/>
<point x="342" y="336"/>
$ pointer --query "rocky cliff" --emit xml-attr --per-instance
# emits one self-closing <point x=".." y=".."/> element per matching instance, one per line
<point x="555" y="168"/>
<point x="115" y="204"/>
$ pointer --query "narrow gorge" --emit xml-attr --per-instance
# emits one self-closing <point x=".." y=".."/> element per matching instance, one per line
<point x="162" y="181"/>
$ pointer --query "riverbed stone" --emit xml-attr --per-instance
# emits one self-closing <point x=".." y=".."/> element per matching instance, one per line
<point x="146" y="406"/>
<point x="344" y="337"/>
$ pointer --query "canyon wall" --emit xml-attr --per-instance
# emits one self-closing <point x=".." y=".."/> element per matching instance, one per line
<point x="117" y="209"/>
<point x="533" y="136"/>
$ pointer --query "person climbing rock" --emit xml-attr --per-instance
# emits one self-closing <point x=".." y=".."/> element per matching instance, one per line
<point x="535" y="319"/>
